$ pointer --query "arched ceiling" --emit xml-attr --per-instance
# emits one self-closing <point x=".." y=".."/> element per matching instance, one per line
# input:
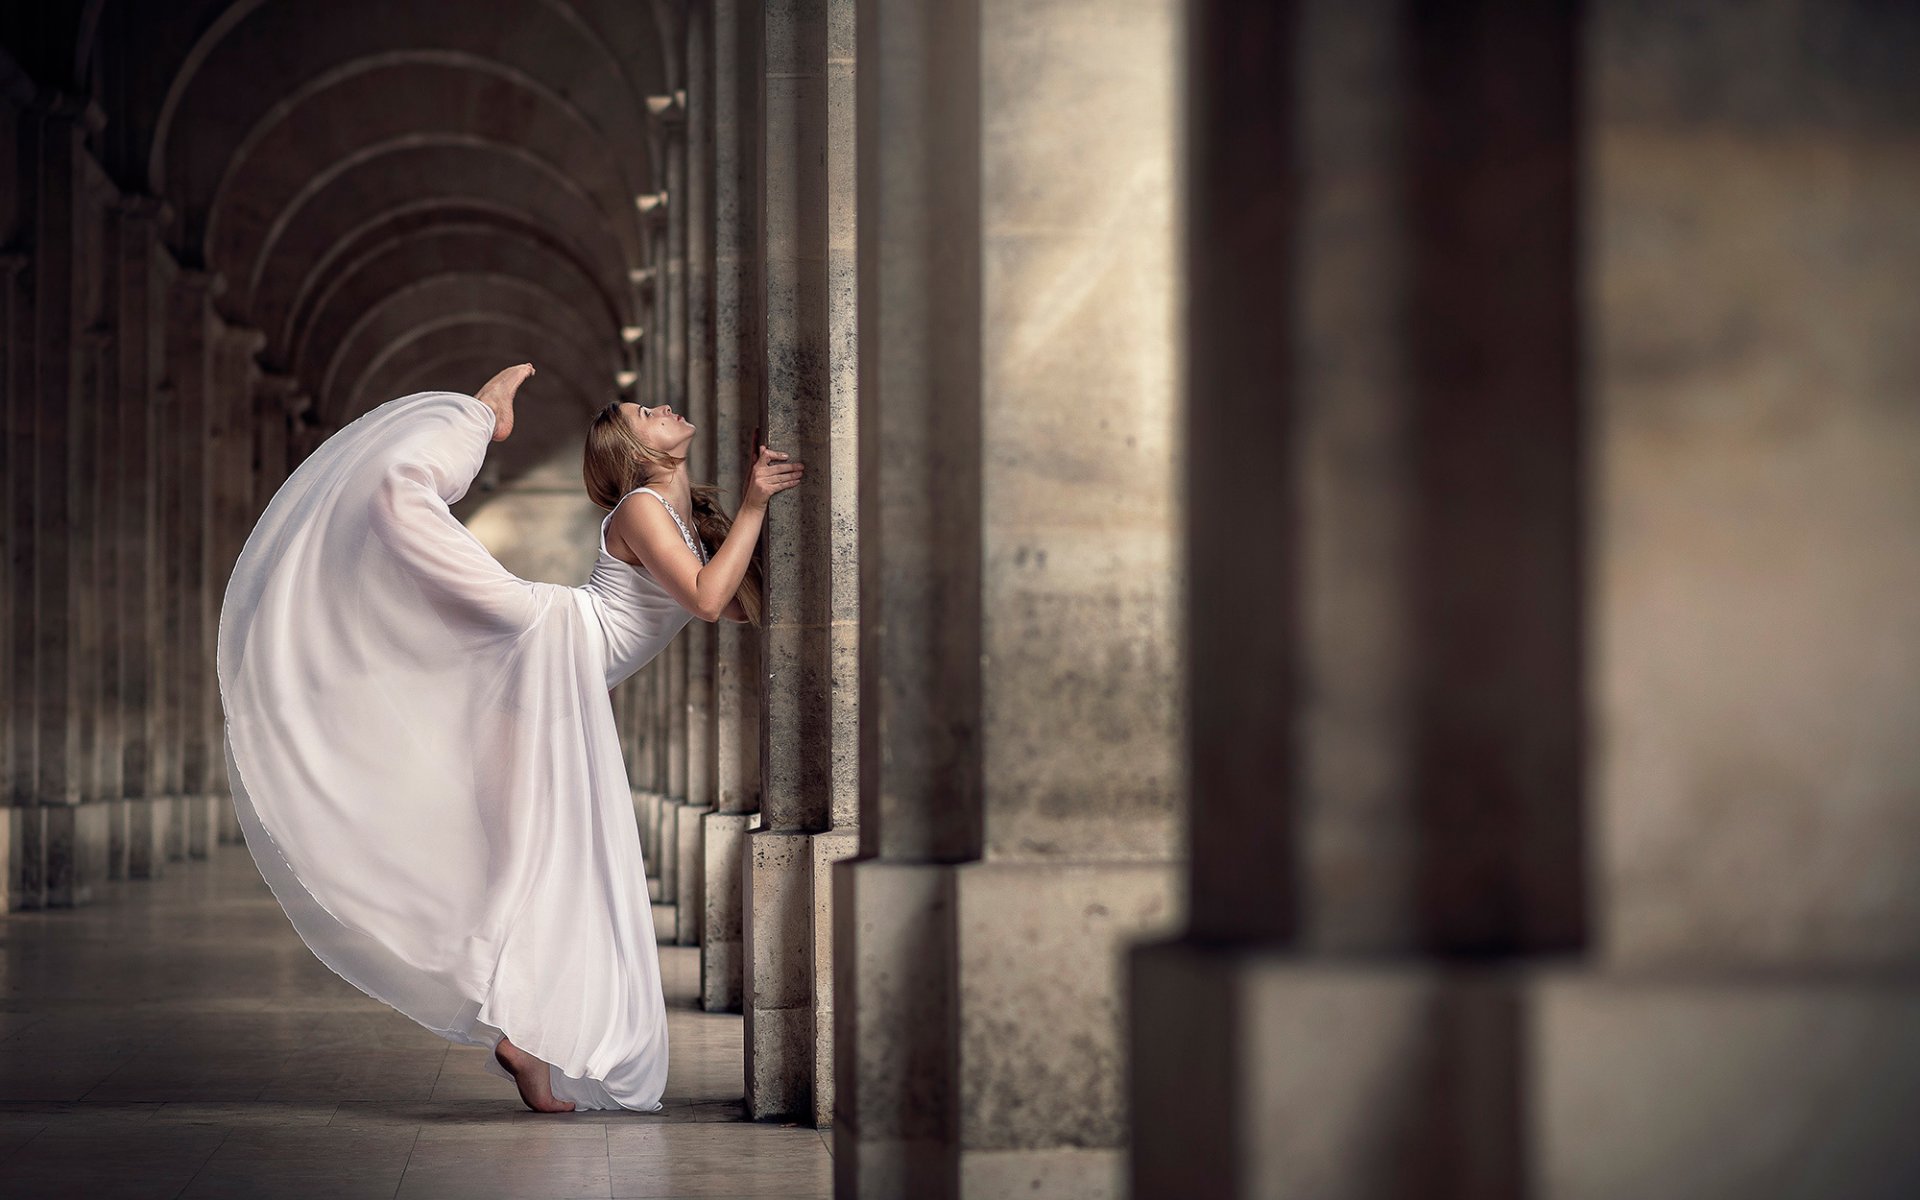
<point x="403" y="194"/>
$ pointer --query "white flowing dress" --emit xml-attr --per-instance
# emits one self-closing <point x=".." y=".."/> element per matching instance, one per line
<point x="424" y="759"/>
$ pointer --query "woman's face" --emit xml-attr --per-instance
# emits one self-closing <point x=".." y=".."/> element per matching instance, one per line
<point x="659" y="426"/>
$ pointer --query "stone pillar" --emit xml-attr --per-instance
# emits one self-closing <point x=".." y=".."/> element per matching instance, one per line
<point x="141" y="297"/>
<point x="230" y="456"/>
<point x="192" y="328"/>
<point x="699" y="635"/>
<point x="54" y="842"/>
<point x="646" y="683"/>
<point x="278" y="400"/>
<point x="96" y="651"/>
<point x="17" y="641"/>
<point x="810" y="714"/>
<point x="738" y="346"/>
<point x="1020" y="730"/>
<point x="1386" y="699"/>
<point x="1755" y="469"/>
<point x="653" y="224"/>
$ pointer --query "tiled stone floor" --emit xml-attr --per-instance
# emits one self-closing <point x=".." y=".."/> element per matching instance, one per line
<point x="176" y="1039"/>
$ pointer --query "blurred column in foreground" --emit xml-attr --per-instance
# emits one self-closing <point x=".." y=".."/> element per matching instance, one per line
<point x="1019" y="599"/>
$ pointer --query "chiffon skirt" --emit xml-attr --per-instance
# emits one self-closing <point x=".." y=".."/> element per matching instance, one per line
<point x="424" y="761"/>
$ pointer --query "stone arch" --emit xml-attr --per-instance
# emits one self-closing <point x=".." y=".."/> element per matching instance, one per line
<point x="591" y="56"/>
<point x="251" y="238"/>
<point x="339" y="370"/>
<point x="308" y="257"/>
<point x="369" y="101"/>
<point x="382" y="267"/>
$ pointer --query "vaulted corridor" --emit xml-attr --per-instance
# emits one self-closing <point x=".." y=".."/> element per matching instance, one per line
<point x="1349" y="633"/>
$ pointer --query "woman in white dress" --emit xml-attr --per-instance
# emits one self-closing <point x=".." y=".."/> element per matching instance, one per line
<point x="421" y="748"/>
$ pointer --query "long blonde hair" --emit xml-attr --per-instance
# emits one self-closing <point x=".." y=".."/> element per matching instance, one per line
<point x="616" y="462"/>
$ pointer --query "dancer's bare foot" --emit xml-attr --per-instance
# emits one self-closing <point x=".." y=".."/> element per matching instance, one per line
<point x="530" y="1076"/>
<point x="497" y="394"/>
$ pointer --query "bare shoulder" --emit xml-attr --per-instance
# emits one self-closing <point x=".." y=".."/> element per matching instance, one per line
<point x="640" y="520"/>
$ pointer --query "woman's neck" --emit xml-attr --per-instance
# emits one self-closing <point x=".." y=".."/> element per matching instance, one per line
<point x="675" y="488"/>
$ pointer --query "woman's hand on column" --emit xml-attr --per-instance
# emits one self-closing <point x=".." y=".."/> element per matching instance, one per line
<point x="771" y="474"/>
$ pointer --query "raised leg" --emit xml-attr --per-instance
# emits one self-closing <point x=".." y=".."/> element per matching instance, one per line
<point x="497" y="394"/>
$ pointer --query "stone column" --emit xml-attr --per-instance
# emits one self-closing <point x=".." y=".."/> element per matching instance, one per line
<point x="192" y="328"/>
<point x="671" y="119"/>
<point x="141" y="296"/>
<point x="1386" y="694"/>
<point x="95" y="642"/>
<point x="810" y="715"/>
<point x="1753" y="411"/>
<point x="643" y="713"/>
<point x="55" y="837"/>
<point x="278" y="399"/>
<point x="699" y="408"/>
<point x="653" y="225"/>
<point x="699" y="635"/>
<point x="1020" y="730"/>
<point x="17" y="641"/>
<point x="737" y="372"/>
<point x="233" y="428"/>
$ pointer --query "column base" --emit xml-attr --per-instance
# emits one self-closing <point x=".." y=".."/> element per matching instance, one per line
<point x="979" y="1005"/>
<point x="828" y="848"/>
<point x="15" y="840"/>
<point x="58" y="854"/>
<point x="690" y="874"/>
<point x="229" y="821"/>
<point x="1336" y="1080"/>
<point x="178" y="828"/>
<point x="147" y="823"/>
<point x="646" y="815"/>
<point x="203" y="823"/>
<point x="722" y="926"/>
<point x="895" y="990"/>
<point x="119" y="834"/>
<point x="778" y="953"/>
<point x="669" y="854"/>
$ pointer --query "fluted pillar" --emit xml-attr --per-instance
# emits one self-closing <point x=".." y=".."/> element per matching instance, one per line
<point x="233" y="420"/>
<point x="192" y="336"/>
<point x="17" y="642"/>
<point x="1387" y="699"/>
<point x="139" y="296"/>
<point x="699" y="635"/>
<point x="1020" y="730"/>
<point x="738" y="347"/>
<point x="810" y="711"/>
<point x="96" y="649"/>
<point x="62" y="841"/>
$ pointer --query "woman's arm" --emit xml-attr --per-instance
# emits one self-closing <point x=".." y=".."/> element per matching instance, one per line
<point x="734" y="612"/>
<point x="649" y="532"/>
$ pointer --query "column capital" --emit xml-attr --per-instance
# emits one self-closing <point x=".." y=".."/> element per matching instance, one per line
<point x="652" y="205"/>
<point x="140" y="206"/>
<point x="244" y="339"/>
<point x="285" y="391"/>
<point x="63" y="105"/>
<point x="200" y="280"/>
<point x="640" y="276"/>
